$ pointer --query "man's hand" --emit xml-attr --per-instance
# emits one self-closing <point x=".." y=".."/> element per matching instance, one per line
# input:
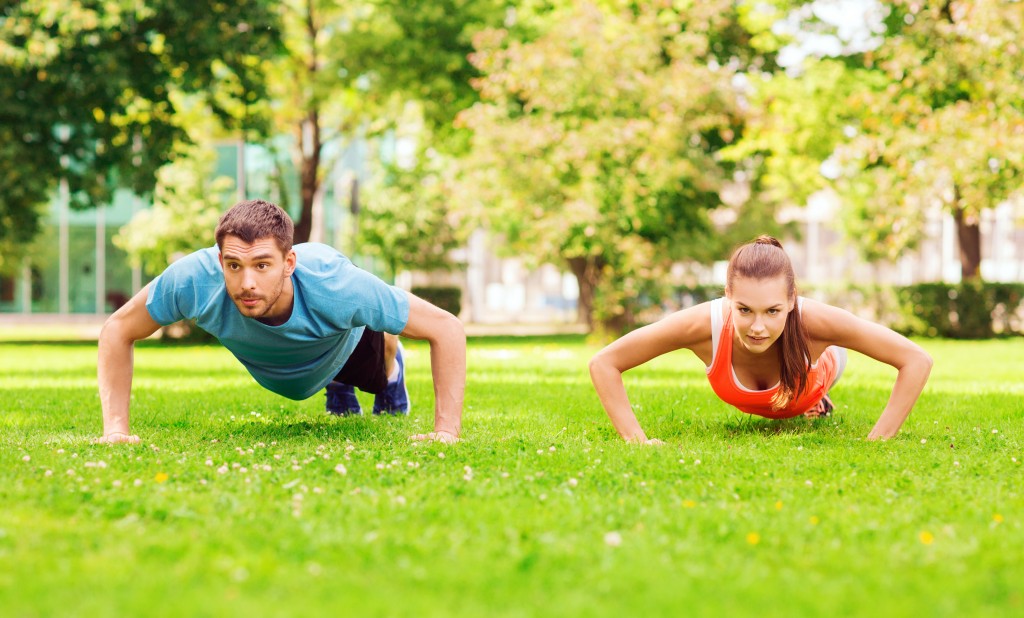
<point x="443" y="437"/>
<point x="116" y="437"/>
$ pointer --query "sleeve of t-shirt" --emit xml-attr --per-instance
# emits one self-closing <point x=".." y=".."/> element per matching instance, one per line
<point x="378" y="306"/>
<point x="173" y="295"/>
<point x="347" y="296"/>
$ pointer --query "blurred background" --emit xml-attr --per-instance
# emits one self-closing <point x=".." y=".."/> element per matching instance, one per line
<point x="542" y="164"/>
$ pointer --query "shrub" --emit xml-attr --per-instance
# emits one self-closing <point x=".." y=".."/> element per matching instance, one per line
<point x="969" y="310"/>
<point x="448" y="298"/>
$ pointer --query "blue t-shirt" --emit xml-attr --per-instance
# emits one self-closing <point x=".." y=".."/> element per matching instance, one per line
<point x="334" y="300"/>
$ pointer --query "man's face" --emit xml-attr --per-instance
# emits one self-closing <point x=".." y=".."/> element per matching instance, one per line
<point x="258" y="278"/>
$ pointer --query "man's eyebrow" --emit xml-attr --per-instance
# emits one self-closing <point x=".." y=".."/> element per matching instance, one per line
<point x="260" y="256"/>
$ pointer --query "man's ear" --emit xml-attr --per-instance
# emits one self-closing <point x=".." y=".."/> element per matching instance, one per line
<point x="290" y="260"/>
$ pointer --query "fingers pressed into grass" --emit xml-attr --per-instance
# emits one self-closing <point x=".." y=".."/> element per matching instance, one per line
<point x="117" y="437"/>
<point x="443" y="437"/>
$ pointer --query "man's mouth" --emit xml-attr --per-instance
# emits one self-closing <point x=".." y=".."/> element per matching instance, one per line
<point x="249" y="301"/>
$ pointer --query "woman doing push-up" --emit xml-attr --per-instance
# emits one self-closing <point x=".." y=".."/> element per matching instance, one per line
<point x="767" y="351"/>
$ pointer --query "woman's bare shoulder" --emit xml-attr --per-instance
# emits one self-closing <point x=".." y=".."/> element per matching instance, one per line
<point x="689" y="326"/>
<point x="826" y="322"/>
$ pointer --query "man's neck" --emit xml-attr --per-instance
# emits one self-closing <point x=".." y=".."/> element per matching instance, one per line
<point x="282" y="309"/>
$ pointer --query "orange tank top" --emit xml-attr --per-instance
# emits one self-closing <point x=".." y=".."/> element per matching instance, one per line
<point x="726" y="385"/>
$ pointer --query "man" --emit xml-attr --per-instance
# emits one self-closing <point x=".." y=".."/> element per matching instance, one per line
<point x="298" y="318"/>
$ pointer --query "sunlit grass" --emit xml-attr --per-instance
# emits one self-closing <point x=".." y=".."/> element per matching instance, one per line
<point x="243" y="503"/>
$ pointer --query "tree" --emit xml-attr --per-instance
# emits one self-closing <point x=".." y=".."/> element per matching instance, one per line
<point x="930" y="119"/>
<point x="407" y="220"/>
<point x="350" y="68"/>
<point x="595" y="143"/>
<point x="88" y="91"/>
<point x="946" y="130"/>
<point x="187" y="203"/>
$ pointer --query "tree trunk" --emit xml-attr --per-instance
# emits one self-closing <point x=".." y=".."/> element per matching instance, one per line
<point x="968" y="233"/>
<point x="588" y="273"/>
<point x="309" y="143"/>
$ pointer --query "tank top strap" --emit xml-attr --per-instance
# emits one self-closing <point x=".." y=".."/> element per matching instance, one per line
<point x="716" y="327"/>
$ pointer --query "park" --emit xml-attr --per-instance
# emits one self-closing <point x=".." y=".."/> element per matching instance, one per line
<point x="661" y="308"/>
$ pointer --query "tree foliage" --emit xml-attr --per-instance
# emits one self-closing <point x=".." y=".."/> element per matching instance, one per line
<point x="408" y="220"/>
<point x="595" y="142"/>
<point x="87" y="90"/>
<point x="946" y="131"/>
<point x="930" y="120"/>
<point x="349" y="69"/>
<point x="187" y="203"/>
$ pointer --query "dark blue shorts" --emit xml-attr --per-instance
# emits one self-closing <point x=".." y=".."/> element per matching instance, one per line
<point x="365" y="368"/>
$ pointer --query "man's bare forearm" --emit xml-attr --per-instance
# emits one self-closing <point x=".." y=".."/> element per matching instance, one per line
<point x="448" y="368"/>
<point x="115" y="364"/>
<point x="114" y="372"/>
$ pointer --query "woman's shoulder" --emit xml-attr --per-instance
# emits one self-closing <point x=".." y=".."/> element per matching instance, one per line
<point x="692" y="324"/>
<point x="823" y="320"/>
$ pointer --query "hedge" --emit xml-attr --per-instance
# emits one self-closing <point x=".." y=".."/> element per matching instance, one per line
<point x="969" y="310"/>
<point x="448" y="298"/>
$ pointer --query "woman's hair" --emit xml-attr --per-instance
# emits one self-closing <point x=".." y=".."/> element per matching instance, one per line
<point x="252" y="220"/>
<point x="764" y="259"/>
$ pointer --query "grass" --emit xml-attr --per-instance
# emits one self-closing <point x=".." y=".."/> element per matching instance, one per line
<point x="234" y="504"/>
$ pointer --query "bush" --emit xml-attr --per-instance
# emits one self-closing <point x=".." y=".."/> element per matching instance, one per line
<point x="969" y="310"/>
<point x="448" y="298"/>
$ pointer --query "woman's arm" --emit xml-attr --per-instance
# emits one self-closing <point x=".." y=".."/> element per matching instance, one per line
<point x="842" y="328"/>
<point x="683" y="329"/>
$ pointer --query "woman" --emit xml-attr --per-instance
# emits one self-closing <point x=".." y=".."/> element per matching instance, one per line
<point x="767" y="351"/>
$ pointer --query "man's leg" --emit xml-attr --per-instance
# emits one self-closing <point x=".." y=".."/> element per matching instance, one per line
<point x="394" y="399"/>
<point x="365" y="370"/>
<point x="390" y="352"/>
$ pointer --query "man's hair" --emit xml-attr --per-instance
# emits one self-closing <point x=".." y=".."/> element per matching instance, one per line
<point x="252" y="220"/>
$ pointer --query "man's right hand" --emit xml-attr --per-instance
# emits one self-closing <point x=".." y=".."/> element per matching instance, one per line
<point x="116" y="437"/>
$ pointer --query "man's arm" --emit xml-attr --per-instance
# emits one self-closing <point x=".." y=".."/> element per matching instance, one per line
<point x="127" y="325"/>
<point x="447" y="340"/>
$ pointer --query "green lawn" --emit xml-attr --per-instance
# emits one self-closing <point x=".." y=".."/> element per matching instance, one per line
<point x="235" y="506"/>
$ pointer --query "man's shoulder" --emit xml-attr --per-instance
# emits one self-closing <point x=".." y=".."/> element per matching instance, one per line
<point x="315" y="255"/>
<point x="203" y="259"/>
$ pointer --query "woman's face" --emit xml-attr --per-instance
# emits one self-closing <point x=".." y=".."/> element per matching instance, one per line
<point x="759" y="311"/>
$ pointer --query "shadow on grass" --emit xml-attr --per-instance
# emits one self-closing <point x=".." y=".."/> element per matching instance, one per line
<point x="329" y="429"/>
<point x="752" y="425"/>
